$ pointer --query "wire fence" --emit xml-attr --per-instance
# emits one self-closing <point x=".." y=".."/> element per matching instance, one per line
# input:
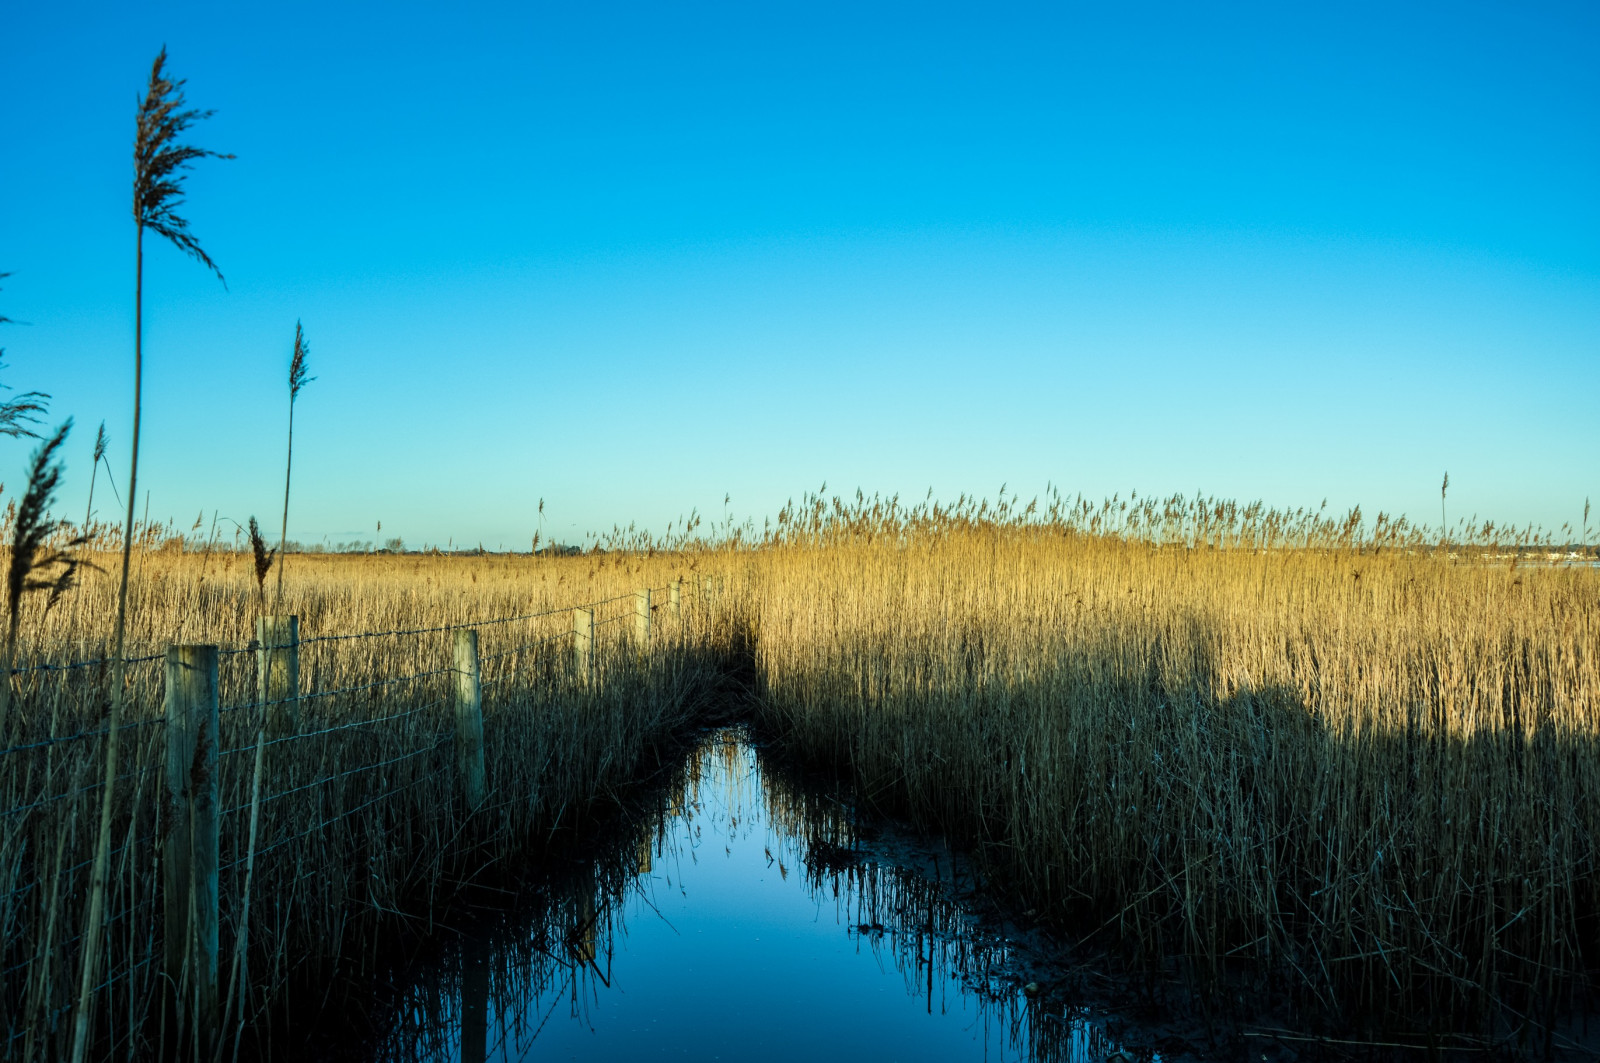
<point x="358" y="796"/>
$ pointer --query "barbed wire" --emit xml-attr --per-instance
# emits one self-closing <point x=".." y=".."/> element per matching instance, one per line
<point x="253" y="646"/>
<point x="335" y="778"/>
<point x="48" y="667"/>
<point x="352" y="725"/>
<point x="123" y="913"/>
<point x="525" y="646"/>
<point x="331" y="820"/>
<point x="111" y="979"/>
<point x="17" y="810"/>
<point x="99" y="732"/>
<point x="72" y="869"/>
<point x="245" y="706"/>
<point x="314" y="695"/>
<point x="457" y="627"/>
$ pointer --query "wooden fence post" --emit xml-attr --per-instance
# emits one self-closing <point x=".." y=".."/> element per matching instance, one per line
<point x="675" y="593"/>
<point x="641" y="619"/>
<point x="278" y="672"/>
<point x="189" y="849"/>
<point x="474" y="1000"/>
<point x="469" y="718"/>
<point x="583" y="644"/>
<point x="585" y="938"/>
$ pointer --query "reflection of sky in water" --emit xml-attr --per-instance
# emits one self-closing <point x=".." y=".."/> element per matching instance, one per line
<point x="728" y="947"/>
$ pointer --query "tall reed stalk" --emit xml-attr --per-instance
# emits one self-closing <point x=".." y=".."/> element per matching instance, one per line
<point x="99" y="456"/>
<point x="297" y="380"/>
<point x="159" y="165"/>
<point x="1444" y="521"/>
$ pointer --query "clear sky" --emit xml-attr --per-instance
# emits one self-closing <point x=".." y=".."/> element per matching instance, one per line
<point x="634" y="259"/>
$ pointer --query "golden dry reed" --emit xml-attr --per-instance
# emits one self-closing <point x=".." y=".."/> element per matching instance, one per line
<point x="1355" y="757"/>
<point x="1344" y="754"/>
<point x="360" y="824"/>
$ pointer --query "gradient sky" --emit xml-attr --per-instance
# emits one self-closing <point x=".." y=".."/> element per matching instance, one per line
<point x="632" y="259"/>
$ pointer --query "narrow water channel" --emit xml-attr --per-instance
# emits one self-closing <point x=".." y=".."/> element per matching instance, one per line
<point x="744" y="921"/>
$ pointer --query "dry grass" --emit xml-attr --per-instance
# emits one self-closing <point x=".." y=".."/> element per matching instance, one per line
<point x="360" y="820"/>
<point x="1370" y="769"/>
<point x="1358" y="765"/>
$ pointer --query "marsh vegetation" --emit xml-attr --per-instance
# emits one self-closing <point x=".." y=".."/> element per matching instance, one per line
<point x="1268" y="757"/>
<point x="350" y="820"/>
<point x="1312" y="757"/>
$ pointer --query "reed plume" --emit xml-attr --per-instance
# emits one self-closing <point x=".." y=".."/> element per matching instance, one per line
<point x="35" y="564"/>
<point x="24" y="410"/>
<point x="159" y="165"/>
<point x="1444" y="522"/>
<point x="99" y="456"/>
<point x="263" y="562"/>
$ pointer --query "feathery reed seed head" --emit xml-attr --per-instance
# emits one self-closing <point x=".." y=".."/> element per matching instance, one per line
<point x="297" y="365"/>
<point x="25" y="409"/>
<point x="159" y="162"/>
<point x="32" y="529"/>
<point x="263" y="555"/>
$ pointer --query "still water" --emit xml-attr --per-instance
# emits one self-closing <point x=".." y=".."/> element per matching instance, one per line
<point x="744" y="921"/>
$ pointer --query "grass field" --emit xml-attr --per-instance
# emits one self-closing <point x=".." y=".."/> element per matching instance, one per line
<point x="360" y="824"/>
<point x="1346" y="766"/>
<point x="1337" y="763"/>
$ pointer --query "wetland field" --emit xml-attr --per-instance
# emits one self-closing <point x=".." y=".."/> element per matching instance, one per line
<point x="1159" y="778"/>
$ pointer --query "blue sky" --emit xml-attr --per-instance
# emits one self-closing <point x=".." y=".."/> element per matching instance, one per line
<point x="633" y="259"/>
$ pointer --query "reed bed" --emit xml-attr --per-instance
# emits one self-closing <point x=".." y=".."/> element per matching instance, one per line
<point x="1312" y="757"/>
<point x="1299" y="755"/>
<point x="360" y="826"/>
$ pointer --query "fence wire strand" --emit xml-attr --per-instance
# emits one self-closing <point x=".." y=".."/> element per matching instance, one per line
<point x="74" y="665"/>
<point x="331" y="820"/>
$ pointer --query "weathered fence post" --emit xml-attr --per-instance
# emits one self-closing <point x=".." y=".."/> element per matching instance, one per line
<point x="586" y="934"/>
<point x="474" y="1001"/>
<point x="278" y="672"/>
<point x="675" y="592"/>
<point x="641" y="619"/>
<point x="583" y="644"/>
<point x="469" y="718"/>
<point x="189" y="849"/>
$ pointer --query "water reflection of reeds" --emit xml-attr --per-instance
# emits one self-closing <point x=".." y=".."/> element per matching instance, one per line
<point x="499" y="988"/>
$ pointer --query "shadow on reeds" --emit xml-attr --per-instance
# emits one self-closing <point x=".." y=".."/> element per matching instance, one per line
<point x="1402" y="882"/>
<point x="362" y="835"/>
<point x="1411" y="873"/>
